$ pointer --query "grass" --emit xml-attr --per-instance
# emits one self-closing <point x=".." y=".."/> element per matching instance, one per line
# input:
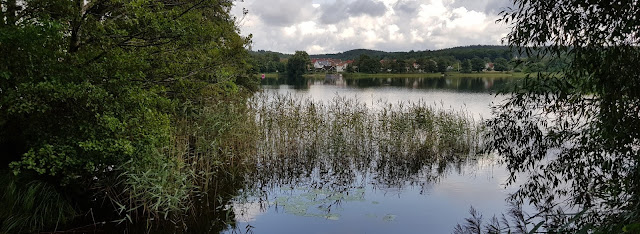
<point x="193" y="177"/>
<point x="31" y="205"/>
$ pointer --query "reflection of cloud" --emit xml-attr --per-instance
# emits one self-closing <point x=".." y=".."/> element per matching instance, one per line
<point x="334" y="26"/>
<point x="247" y="212"/>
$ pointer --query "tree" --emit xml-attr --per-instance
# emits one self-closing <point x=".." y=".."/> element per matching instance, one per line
<point x="431" y="66"/>
<point x="350" y="68"/>
<point x="466" y="66"/>
<point x="398" y="66"/>
<point x="585" y="116"/>
<point x="368" y="65"/>
<point x="92" y="91"/>
<point x="477" y="64"/>
<point x="442" y="64"/>
<point x="501" y="64"/>
<point x="297" y="65"/>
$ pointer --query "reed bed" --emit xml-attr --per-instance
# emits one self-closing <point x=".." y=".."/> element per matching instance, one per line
<point x="344" y="139"/>
<point x="230" y="149"/>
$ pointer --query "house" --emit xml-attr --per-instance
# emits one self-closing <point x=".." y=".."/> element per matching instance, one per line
<point x="488" y="67"/>
<point x="324" y="64"/>
<point x="342" y="66"/>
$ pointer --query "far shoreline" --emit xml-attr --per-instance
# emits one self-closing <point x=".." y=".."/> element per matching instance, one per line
<point x="320" y="75"/>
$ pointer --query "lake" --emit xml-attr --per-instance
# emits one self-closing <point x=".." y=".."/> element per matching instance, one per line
<point x="378" y="197"/>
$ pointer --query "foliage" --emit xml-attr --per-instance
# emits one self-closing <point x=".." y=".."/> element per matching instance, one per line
<point x="367" y="64"/>
<point x="31" y="205"/>
<point x="429" y="60"/>
<point x="91" y="92"/>
<point x="477" y="64"/>
<point x="575" y="132"/>
<point x="267" y="63"/>
<point x="501" y="64"/>
<point x="427" y="65"/>
<point x="443" y="63"/>
<point x="297" y="65"/>
<point x="516" y="221"/>
<point x="466" y="66"/>
<point x="457" y="53"/>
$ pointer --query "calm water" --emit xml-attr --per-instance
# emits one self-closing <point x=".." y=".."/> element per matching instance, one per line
<point x="433" y="199"/>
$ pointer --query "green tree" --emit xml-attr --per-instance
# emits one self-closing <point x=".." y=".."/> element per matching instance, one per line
<point x="534" y="67"/>
<point x="466" y="66"/>
<point x="368" y="65"/>
<point x="297" y="65"/>
<point x="350" y="68"/>
<point x="431" y="66"/>
<point x="501" y="64"/>
<point x="91" y="92"/>
<point x="398" y="66"/>
<point x="575" y="133"/>
<point x="477" y="64"/>
<point x="442" y="64"/>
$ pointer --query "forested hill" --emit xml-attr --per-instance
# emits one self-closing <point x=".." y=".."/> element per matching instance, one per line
<point x="264" y="52"/>
<point x="459" y="53"/>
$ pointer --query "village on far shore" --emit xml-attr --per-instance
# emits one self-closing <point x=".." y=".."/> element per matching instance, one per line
<point x="337" y="65"/>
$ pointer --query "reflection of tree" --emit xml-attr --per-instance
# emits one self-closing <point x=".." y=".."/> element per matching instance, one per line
<point x="461" y="84"/>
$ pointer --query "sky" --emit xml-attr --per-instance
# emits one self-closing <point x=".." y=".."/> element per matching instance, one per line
<point x="331" y="26"/>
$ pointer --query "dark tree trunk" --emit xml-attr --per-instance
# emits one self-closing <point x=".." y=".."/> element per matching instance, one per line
<point x="74" y="41"/>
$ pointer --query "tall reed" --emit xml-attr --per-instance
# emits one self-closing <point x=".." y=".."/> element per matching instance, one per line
<point x="344" y="137"/>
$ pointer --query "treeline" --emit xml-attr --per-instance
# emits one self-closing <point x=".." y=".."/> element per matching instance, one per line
<point x="459" y="59"/>
<point x="119" y="112"/>
<point x="268" y="62"/>
<point x="458" y="53"/>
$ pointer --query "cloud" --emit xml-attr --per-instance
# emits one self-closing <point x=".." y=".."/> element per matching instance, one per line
<point x="333" y="13"/>
<point x="407" y="7"/>
<point x="329" y="26"/>
<point x="338" y="11"/>
<point x="367" y="7"/>
<point x="282" y="12"/>
<point x="486" y="6"/>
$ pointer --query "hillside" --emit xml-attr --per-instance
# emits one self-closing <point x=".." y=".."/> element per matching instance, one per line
<point x="460" y="53"/>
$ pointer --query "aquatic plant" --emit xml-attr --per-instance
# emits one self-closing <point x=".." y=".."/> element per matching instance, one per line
<point x="330" y="144"/>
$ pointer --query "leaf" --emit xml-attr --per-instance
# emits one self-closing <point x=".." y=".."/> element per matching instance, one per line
<point x="535" y="229"/>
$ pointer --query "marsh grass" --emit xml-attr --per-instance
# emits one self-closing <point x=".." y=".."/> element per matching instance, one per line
<point x="31" y="205"/>
<point x="193" y="177"/>
<point x="228" y="148"/>
<point x="345" y="138"/>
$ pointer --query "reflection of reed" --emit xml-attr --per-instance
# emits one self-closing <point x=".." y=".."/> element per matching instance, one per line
<point x="334" y="144"/>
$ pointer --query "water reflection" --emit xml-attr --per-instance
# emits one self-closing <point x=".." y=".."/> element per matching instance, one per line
<point x="332" y="159"/>
<point x="458" y="84"/>
<point x="317" y="160"/>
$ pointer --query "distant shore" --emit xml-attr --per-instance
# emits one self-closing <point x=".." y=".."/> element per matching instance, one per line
<point x="410" y="75"/>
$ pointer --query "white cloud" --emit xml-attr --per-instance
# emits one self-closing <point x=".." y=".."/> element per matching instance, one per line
<point x="329" y="26"/>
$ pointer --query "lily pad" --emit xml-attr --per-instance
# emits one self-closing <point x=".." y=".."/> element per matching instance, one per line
<point x="389" y="218"/>
<point x="332" y="217"/>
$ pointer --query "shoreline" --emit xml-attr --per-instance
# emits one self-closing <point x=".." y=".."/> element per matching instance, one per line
<point x="407" y="75"/>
